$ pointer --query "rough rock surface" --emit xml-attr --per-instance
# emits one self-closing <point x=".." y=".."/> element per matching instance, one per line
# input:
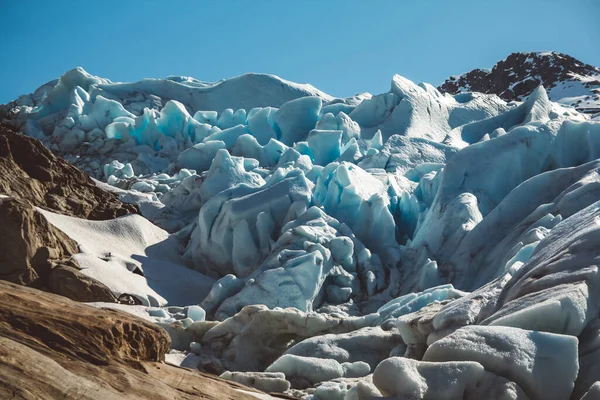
<point x="29" y="245"/>
<point x="52" y="347"/>
<point x="515" y="77"/>
<point x="31" y="172"/>
<point x="68" y="281"/>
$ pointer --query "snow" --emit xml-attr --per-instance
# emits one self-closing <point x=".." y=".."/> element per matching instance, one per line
<point x="578" y="92"/>
<point x="117" y="252"/>
<point x="248" y="90"/>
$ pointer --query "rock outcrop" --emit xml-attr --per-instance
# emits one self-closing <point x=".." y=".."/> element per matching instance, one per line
<point x="568" y="80"/>
<point x="54" y="348"/>
<point x="31" y="172"/>
<point x="29" y="245"/>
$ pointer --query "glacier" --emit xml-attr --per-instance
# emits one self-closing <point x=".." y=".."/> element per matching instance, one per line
<point x="411" y="243"/>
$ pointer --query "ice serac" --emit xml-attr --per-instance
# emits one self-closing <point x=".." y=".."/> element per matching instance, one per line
<point x="536" y="108"/>
<point x="401" y="153"/>
<point x="261" y="124"/>
<point x="325" y="145"/>
<point x="226" y="172"/>
<point x="456" y="380"/>
<point x="419" y="110"/>
<point x="199" y="157"/>
<point x="245" y="216"/>
<point x="544" y="365"/>
<point x="567" y="296"/>
<point x="361" y="201"/>
<point x="315" y="261"/>
<point x="296" y="118"/>
<point x="504" y="201"/>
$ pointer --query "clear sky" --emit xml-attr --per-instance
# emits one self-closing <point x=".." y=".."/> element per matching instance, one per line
<point x="342" y="47"/>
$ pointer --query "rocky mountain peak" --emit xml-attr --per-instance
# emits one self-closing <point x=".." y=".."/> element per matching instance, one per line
<point x="568" y="80"/>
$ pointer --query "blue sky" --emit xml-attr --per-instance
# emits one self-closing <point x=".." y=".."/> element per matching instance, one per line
<point x="342" y="47"/>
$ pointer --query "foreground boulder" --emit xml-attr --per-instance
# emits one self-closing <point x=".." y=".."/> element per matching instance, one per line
<point x="54" y="348"/>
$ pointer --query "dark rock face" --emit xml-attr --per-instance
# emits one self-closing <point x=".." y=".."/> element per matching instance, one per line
<point x="68" y="281"/>
<point x="29" y="245"/>
<point x="54" y="348"/>
<point x="520" y="73"/>
<point x="31" y="172"/>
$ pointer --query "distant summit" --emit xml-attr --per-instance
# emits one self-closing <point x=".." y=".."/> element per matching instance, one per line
<point x="567" y="80"/>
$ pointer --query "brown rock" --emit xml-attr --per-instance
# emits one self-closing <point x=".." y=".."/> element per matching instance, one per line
<point x="30" y="171"/>
<point x="68" y="281"/>
<point x="29" y="244"/>
<point x="54" y="348"/>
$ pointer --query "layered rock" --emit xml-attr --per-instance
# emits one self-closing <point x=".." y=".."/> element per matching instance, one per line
<point x="87" y="353"/>
<point x="31" y="172"/>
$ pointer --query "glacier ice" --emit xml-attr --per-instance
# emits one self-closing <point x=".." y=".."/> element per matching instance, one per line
<point x="316" y="370"/>
<point x="371" y="345"/>
<point x="525" y="357"/>
<point x="455" y="380"/>
<point x="270" y="382"/>
<point x="296" y="118"/>
<point x="378" y="245"/>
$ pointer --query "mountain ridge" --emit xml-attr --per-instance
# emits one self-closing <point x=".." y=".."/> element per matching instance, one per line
<point x="568" y="80"/>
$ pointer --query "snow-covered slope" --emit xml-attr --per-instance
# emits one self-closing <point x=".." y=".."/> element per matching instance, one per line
<point x="132" y="256"/>
<point x="245" y="91"/>
<point x="410" y="244"/>
<point x="568" y="80"/>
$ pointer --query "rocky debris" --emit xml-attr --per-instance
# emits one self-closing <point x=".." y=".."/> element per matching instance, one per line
<point x="515" y="77"/>
<point x="52" y="347"/>
<point x="31" y="172"/>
